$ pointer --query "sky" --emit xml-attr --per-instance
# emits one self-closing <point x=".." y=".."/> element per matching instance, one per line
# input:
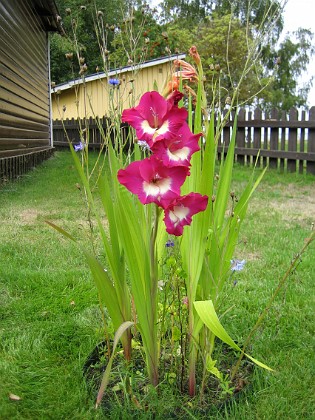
<point x="301" y="14"/>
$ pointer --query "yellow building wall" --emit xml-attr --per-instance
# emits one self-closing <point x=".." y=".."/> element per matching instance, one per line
<point x="99" y="98"/>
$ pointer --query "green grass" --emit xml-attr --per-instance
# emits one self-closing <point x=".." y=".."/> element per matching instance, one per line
<point x="49" y="317"/>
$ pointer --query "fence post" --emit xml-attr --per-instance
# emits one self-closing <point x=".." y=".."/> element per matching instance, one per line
<point x="240" y="136"/>
<point x="283" y="140"/>
<point x="302" y="143"/>
<point x="274" y="139"/>
<point x="311" y="142"/>
<point x="292" y="144"/>
<point x="257" y="132"/>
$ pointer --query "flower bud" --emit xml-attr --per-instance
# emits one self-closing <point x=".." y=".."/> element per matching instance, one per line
<point x="68" y="11"/>
<point x="217" y="67"/>
<point x="69" y="56"/>
<point x="81" y="60"/>
<point x="194" y="54"/>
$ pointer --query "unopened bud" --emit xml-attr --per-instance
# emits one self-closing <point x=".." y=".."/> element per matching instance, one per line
<point x="81" y="60"/>
<point x="100" y="14"/>
<point x="68" y="11"/>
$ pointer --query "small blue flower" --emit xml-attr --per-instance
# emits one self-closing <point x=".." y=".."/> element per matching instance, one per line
<point x="143" y="145"/>
<point x="169" y="244"/>
<point x="79" y="146"/>
<point x="114" y="82"/>
<point x="237" y="265"/>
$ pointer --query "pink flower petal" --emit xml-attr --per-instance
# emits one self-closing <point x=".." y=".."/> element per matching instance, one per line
<point x="155" y="117"/>
<point x="152" y="182"/>
<point x="180" y="212"/>
<point x="178" y="150"/>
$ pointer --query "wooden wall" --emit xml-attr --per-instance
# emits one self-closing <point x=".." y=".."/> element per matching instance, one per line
<point x="98" y="98"/>
<point x="24" y="79"/>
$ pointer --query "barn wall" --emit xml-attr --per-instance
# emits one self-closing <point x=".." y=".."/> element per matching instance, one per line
<point x="24" y="84"/>
<point x="94" y="97"/>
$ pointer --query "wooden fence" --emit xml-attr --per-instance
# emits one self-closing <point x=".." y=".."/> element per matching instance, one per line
<point x="285" y="141"/>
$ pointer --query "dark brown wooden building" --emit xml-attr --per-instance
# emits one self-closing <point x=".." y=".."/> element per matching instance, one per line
<point x="25" y="110"/>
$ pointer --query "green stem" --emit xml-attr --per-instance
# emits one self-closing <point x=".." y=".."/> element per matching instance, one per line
<point x="154" y="352"/>
<point x="292" y="266"/>
<point x="192" y="351"/>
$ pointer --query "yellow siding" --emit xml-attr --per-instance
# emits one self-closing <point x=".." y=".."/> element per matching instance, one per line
<point x="98" y="98"/>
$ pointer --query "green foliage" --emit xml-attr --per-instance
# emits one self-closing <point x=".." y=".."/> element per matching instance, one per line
<point x="293" y="55"/>
<point x="45" y="340"/>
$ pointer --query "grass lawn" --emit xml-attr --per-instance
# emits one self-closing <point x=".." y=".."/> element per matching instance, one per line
<point x="49" y="316"/>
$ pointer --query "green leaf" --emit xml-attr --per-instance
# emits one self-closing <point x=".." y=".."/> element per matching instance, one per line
<point x="208" y="315"/>
<point x="211" y="368"/>
<point x="123" y="327"/>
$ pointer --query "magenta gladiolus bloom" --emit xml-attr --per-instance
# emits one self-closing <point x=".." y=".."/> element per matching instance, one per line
<point x="155" y="117"/>
<point x="152" y="182"/>
<point x="178" y="150"/>
<point x="180" y="212"/>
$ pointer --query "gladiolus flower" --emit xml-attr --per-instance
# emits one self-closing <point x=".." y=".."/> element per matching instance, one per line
<point x="177" y="151"/>
<point x="155" y="118"/>
<point x="179" y="213"/>
<point x="152" y="182"/>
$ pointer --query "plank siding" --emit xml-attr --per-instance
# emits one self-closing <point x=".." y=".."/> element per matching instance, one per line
<point x="24" y="81"/>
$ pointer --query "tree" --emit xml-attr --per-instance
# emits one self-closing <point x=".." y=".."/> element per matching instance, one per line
<point x="292" y="56"/>
<point x="228" y="42"/>
<point x="224" y="45"/>
<point x="90" y="28"/>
